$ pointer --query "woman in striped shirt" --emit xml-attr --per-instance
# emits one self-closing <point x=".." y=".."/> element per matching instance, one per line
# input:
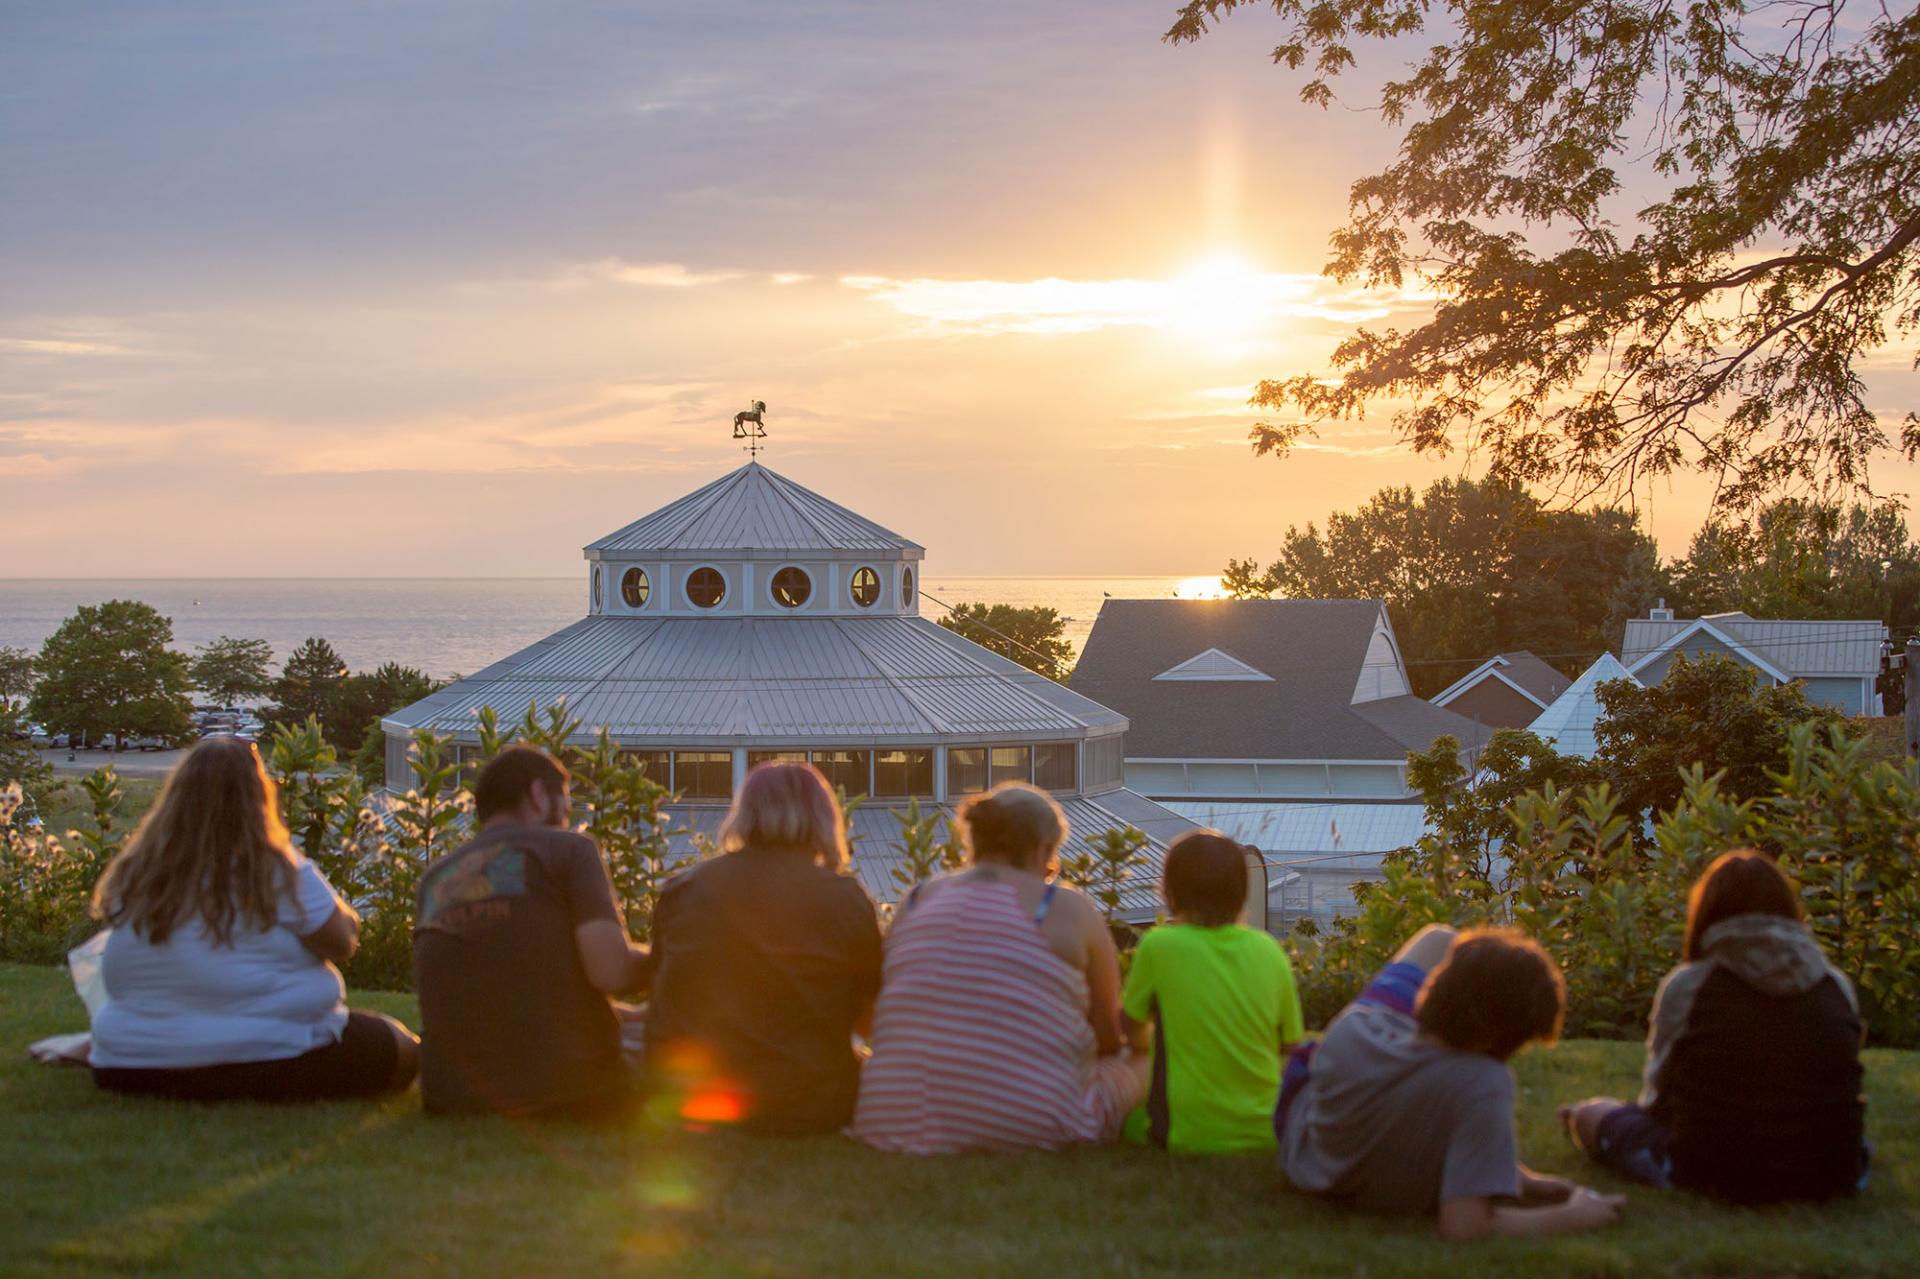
<point x="998" y="1025"/>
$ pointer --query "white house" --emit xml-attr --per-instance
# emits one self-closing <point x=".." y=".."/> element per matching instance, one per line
<point x="1837" y="662"/>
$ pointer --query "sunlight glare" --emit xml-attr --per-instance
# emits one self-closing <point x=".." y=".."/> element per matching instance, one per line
<point x="1200" y="588"/>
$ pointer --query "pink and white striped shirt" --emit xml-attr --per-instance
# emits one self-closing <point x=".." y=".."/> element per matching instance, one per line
<point x="980" y="1037"/>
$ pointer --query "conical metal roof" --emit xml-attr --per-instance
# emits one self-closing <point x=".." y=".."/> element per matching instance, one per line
<point x="753" y="508"/>
<point x="1567" y="725"/>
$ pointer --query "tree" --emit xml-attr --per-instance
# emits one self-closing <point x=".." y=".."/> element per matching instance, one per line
<point x="108" y="671"/>
<point x="364" y="700"/>
<point x="1711" y="712"/>
<point x="16" y="675"/>
<point x="1029" y="636"/>
<point x="1777" y="238"/>
<point x="1469" y="569"/>
<point x="309" y="686"/>
<point x="232" y="670"/>
<point x="1467" y="802"/>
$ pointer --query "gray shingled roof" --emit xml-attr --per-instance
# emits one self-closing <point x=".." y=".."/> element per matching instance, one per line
<point x="752" y="508"/>
<point x="1798" y="648"/>
<point x="1313" y="649"/>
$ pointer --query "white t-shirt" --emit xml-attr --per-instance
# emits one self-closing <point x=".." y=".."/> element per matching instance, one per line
<point x="188" y="1002"/>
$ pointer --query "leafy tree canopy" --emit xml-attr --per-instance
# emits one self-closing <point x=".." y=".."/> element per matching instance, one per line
<point x="1773" y="154"/>
<point x="1470" y="569"/>
<point x="309" y="685"/>
<point x="363" y="700"/>
<point x="1029" y="636"/>
<point x="232" y="670"/>
<point x="108" y="670"/>
<point x="16" y="674"/>
<point x="1712" y="712"/>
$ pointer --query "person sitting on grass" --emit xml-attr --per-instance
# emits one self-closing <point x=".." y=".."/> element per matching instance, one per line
<point x="766" y="962"/>
<point x="998" y="1026"/>
<point x="1221" y="1000"/>
<point x="1752" y="1089"/>
<point x="1407" y="1101"/>
<point x="219" y="968"/>
<point x="518" y="946"/>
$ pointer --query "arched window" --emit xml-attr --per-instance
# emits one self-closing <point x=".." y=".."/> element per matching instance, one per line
<point x="792" y="587"/>
<point x="705" y="587"/>
<point x="866" y="587"/>
<point x="595" y="592"/>
<point x="906" y="587"/>
<point x="634" y="587"/>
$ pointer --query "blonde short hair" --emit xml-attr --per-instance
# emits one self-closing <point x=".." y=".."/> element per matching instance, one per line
<point x="1013" y="823"/>
<point x="787" y="807"/>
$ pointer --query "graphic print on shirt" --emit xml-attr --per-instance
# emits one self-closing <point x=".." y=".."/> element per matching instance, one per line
<point x="476" y="891"/>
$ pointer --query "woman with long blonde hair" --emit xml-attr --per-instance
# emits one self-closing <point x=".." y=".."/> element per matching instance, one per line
<point x="766" y="961"/>
<point x="219" y="967"/>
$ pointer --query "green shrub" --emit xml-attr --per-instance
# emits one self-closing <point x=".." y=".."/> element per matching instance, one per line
<point x="1572" y="873"/>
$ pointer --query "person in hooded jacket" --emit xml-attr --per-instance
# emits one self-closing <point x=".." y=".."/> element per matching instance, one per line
<point x="1752" y="1091"/>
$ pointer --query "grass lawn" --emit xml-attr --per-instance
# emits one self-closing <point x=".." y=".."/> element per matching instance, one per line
<point x="95" y="1184"/>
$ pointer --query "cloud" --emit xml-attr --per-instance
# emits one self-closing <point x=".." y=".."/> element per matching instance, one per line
<point x="663" y="275"/>
<point x="58" y="346"/>
<point x="1220" y="296"/>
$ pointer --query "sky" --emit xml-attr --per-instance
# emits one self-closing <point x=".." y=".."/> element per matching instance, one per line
<point x="453" y="287"/>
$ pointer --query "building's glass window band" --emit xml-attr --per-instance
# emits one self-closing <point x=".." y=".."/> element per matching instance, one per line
<point x="706" y="587"/>
<point x="1054" y="766"/>
<point x="903" y="773"/>
<point x="757" y="758"/>
<point x="850" y="770"/>
<point x="634" y="588"/>
<point x="966" y="770"/>
<point x="1010" y="764"/>
<point x="865" y="587"/>
<point x="703" y="774"/>
<point x="657" y="765"/>
<point x="791" y="587"/>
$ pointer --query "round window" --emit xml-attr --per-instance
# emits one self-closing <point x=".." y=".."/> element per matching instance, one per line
<point x="705" y="587"/>
<point x="866" y="587"/>
<point x="634" y="587"/>
<point x="906" y="587"/>
<point x="595" y="592"/>
<point x="791" y="587"/>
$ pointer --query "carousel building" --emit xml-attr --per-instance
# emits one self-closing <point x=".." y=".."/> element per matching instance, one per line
<point x="755" y="620"/>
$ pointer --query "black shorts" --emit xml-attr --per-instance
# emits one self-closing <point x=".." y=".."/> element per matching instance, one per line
<point x="361" y="1063"/>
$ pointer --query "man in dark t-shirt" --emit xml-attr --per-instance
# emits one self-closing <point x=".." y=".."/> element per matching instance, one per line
<point x="518" y="945"/>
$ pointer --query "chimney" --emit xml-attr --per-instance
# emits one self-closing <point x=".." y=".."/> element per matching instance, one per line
<point x="1660" y="612"/>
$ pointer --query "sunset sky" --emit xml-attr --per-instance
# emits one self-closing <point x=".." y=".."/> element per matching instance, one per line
<point x="454" y="287"/>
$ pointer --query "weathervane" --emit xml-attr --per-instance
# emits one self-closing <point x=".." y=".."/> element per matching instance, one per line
<point x="751" y="426"/>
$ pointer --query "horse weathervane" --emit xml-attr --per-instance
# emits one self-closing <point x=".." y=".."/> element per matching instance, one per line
<point x="751" y="426"/>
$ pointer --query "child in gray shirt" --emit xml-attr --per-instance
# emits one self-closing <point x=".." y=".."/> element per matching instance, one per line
<point x="1407" y="1103"/>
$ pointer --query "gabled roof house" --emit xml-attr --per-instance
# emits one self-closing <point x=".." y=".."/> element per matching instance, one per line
<point x="1284" y="723"/>
<point x="1837" y="662"/>
<point x="1567" y="725"/>
<point x="1505" y="691"/>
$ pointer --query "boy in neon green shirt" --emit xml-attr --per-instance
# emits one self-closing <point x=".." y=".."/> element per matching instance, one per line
<point x="1221" y="1000"/>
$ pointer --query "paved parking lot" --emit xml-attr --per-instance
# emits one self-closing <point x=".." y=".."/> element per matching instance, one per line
<point x="153" y="764"/>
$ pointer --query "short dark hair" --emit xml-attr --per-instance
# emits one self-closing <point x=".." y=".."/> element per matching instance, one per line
<point x="510" y="777"/>
<point x="1742" y="882"/>
<point x="1205" y="877"/>
<point x="1495" y="991"/>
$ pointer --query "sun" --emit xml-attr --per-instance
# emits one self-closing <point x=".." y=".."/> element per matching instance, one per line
<point x="1223" y="296"/>
<point x="1199" y="588"/>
